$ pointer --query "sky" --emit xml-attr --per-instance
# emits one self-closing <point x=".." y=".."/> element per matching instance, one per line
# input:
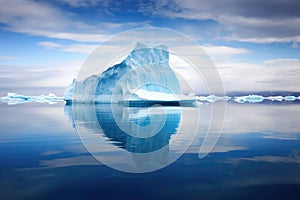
<point x="253" y="44"/>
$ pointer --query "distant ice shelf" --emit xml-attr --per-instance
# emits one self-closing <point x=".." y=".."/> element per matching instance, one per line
<point x="13" y="98"/>
<point x="142" y="95"/>
<point x="258" y="98"/>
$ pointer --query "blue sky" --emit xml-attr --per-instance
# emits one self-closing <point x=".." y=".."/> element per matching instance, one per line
<point x="253" y="44"/>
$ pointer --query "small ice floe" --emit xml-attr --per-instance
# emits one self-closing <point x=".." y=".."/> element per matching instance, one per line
<point x="249" y="99"/>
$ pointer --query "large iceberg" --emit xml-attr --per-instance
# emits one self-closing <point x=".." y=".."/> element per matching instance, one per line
<point x="144" y="69"/>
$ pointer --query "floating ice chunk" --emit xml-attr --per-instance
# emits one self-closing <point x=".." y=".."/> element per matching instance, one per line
<point x="290" y="98"/>
<point x="213" y="98"/>
<point x="201" y="98"/>
<point x="226" y="98"/>
<point x="275" y="98"/>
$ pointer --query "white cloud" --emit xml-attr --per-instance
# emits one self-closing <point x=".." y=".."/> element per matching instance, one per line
<point x="20" y="14"/>
<point x="281" y="76"/>
<point x="80" y="3"/>
<point x="282" y="62"/>
<point x="55" y="74"/>
<point x="79" y="48"/>
<point x="49" y="44"/>
<point x="46" y="20"/>
<point x="224" y="50"/>
<point x="215" y="52"/>
<point x="211" y="50"/>
<point x="43" y="19"/>
<point x="8" y="58"/>
<point x="223" y="54"/>
<point x="115" y="25"/>
<point x="249" y="21"/>
<point x="80" y="37"/>
<point x="75" y="48"/>
<point x="262" y="39"/>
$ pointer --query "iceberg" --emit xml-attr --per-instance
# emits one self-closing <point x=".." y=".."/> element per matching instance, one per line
<point x="145" y="69"/>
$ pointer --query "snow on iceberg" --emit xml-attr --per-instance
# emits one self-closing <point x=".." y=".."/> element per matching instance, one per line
<point x="145" y="68"/>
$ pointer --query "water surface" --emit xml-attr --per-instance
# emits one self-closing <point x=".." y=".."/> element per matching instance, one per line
<point x="43" y="157"/>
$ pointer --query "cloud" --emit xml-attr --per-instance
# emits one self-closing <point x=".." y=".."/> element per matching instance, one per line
<point x="280" y="74"/>
<point x="75" y="48"/>
<point x="250" y="21"/>
<point x="8" y="58"/>
<point x="49" y="44"/>
<point x="282" y="62"/>
<point x="51" y="21"/>
<point x="46" y="20"/>
<point x="80" y="3"/>
<point x="256" y="21"/>
<point x="79" y="48"/>
<point x="223" y="54"/>
<point x="57" y="75"/>
<point x="224" y="50"/>
<point x="20" y="14"/>
<point x="80" y="37"/>
<point x="270" y="75"/>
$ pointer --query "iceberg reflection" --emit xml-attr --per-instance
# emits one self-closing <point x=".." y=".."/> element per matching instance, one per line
<point x="131" y="139"/>
<point x="138" y="118"/>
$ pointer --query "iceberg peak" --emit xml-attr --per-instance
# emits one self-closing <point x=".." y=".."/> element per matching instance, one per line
<point x="145" y="55"/>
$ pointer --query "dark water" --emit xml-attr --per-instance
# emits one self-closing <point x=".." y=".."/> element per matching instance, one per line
<point x="42" y="156"/>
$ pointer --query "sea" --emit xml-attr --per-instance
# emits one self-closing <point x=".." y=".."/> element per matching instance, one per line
<point x="220" y="150"/>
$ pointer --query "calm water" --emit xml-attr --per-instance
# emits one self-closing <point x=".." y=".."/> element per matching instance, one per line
<point x="42" y="156"/>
